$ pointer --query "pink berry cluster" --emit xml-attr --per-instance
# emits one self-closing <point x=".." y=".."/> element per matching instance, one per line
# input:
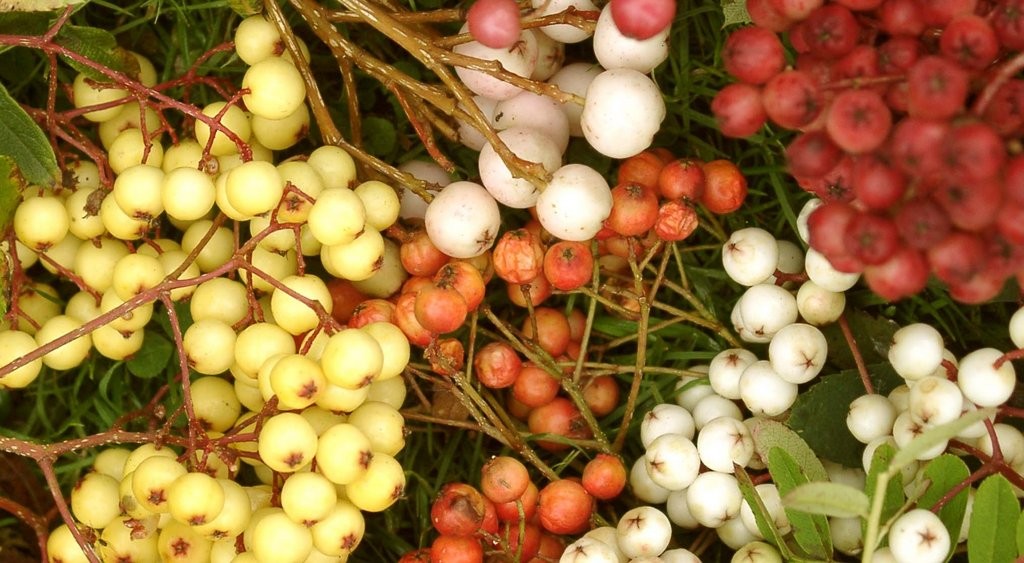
<point x="908" y="113"/>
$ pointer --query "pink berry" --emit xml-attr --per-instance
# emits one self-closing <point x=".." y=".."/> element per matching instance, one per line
<point x="642" y="19"/>
<point x="494" y="23"/>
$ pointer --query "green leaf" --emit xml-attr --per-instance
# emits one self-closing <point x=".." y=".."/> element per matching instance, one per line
<point x="99" y="46"/>
<point x="379" y="136"/>
<point x="872" y="334"/>
<point x="943" y="473"/>
<point x="1020" y="520"/>
<point x="151" y="360"/>
<point x="26" y="143"/>
<point x="819" y="414"/>
<point x="11" y="184"/>
<point x="246" y="7"/>
<point x="893" y="493"/>
<point x="735" y="12"/>
<point x="768" y="434"/>
<point x="990" y="538"/>
<point x="830" y="499"/>
<point x="765" y="522"/>
<point x="811" y="531"/>
<point x="936" y="435"/>
<point x="35" y="5"/>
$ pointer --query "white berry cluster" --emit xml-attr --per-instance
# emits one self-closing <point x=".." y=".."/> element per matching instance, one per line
<point x="623" y="109"/>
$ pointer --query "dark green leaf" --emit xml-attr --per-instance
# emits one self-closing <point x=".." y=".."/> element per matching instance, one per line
<point x="99" y="46"/>
<point x="184" y="314"/>
<point x="27" y="23"/>
<point x="769" y="434"/>
<point x="765" y="523"/>
<point x="378" y="136"/>
<point x="872" y="334"/>
<point x="24" y="142"/>
<point x="810" y="531"/>
<point x="943" y="473"/>
<point x="893" y="493"/>
<point x="991" y="538"/>
<point x="151" y="360"/>
<point x="819" y="414"/>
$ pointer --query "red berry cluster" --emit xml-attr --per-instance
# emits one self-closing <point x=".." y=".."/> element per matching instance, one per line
<point x="908" y="113"/>
<point x="509" y="514"/>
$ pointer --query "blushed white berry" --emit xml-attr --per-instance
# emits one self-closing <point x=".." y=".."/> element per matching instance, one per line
<point x="764" y="392"/>
<point x="798" y="352"/>
<point x="643" y="531"/>
<point x="821" y="272"/>
<point x="772" y="500"/>
<point x="714" y="498"/>
<point x="935" y="400"/>
<point x="723" y="442"/>
<point x="588" y="550"/>
<point x="819" y="306"/>
<point x="575" y="203"/>
<point x="982" y="382"/>
<point x="672" y="461"/>
<point x="750" y="256"/>
<point x="666" y="418"/>
<point x="463" y="219"/>
<point x="918" y="536"/>
<point x="765" y="309"/>
<point x="1017" y="328"/>
<point x="916" y="351"/>
<point x="870" y="416"/>
<point x="643" y="486"/>
<point x="725" y="371"/>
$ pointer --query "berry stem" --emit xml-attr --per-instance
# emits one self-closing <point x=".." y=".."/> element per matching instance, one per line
<point x="858" y="359"/>
<point x="1006" y="72"/>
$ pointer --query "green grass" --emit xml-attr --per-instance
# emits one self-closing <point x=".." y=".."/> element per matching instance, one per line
<point x="175" y="34"/>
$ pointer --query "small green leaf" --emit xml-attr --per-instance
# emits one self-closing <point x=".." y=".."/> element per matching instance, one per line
<point x="379" y="136"/>
<point x="246" y="7"/>
<point x="24" y="142"/>
<point x="943" y="473"/>
<point x="936" y="435"/>
<point x="734" y="12"/>
<point x="11" y="184"/>
<point x="811" y="531"/>
<point x="893" y="493"/>
<point x="764" y="520"/>
<point x="830" y="499"/>
<point x="151" y="360"/>
<point x="990" y="538"/>
<point x="99" y="46"/>
<point x="819" y="414"/>
<point x="769" y="434"/>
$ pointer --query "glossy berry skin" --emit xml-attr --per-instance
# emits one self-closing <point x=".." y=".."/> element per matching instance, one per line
<point x="494" y="23"/>
<point x="642" y="19"/>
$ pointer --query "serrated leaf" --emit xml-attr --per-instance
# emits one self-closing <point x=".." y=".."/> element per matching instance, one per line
<point x="151" y="360"/>
<point x="768" y="434"/>
<point x="934" y="436"/>
<point x="989" y="538"/>
<point x="35" y="5"/>
<point x="764" y="520"/>
<point x="943" y="473"/>
<point x="734" y="12"/>
<point x="811" y="531"/>
<point x="97" y="45"/>
<point x="819" y="414"/>
<point x="830" y="499"/>
<point x="893" y="495"/>
<point x="24" y="142"/>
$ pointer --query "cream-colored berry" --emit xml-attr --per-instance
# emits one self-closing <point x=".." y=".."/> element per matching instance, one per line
<point x="84" y="220"/>
<point x="217" y="249"/>
<point x="222" y="299"/>
<point x="195" y="498"/>
<point x="280" y="134"/>
<point x="96" y="260"/>
<point x="294" y="315"/>
<point x="41" y="222"/>
<point x="287" y="442"/>
<point x="214" y="403"/>
<point x="337" y="217"/>
<point x="306" y="186"/>
<point x="379" y="486"/>
<point x="132" y="148"/>
<point x="254" y="187"/>
<point x="343" y="453"/>
<point x="352" y="358"/>
<point x="188" y="194"/>
<point x="135" y="273"/>
<point x="257" y="39"/>
<point x="209" y="345"/>
<point x="381" y="203"/>
<point x="297" y="381"/>
<point x="69" y="355"/>
<point x="276" y="88"/>
<point x="86" y="92"/>
<point x="356" y="260"/>
<point x="336" y="167"/>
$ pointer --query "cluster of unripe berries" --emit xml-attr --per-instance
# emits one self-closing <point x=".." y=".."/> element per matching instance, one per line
<point x="908" y="122"/>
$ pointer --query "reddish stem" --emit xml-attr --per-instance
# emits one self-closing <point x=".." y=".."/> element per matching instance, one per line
<point x="858" y="359"/>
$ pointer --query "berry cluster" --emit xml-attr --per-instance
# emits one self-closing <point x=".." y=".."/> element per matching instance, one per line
<point x="908" y="114"/>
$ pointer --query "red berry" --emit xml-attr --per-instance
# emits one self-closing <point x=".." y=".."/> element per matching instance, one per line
<point x="725" y="187"/>
<point x="676" y="221"/>
<point x="858" y="121"/>
<point x="568" y="265"/>
<point x="504" y="479"/>
<point x="564" y="507"/>
<point x="937" y="88"/>
<point x="753" y="54"/>
<point x="792" y="99"/>
<point x="497" y="365"/>
<point x="738" y="110"/>
<point x="872" y="238"/>
<point x="634" y="209"/>
<point x="518" y="256"/>
<point x="604" y="477"/>
<point x="970" y="41"/>
<point x="904" y="274"/>
<point x="458" y="510"/>
<point x="812" y="154"/>
<point x="831" y="31"/>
